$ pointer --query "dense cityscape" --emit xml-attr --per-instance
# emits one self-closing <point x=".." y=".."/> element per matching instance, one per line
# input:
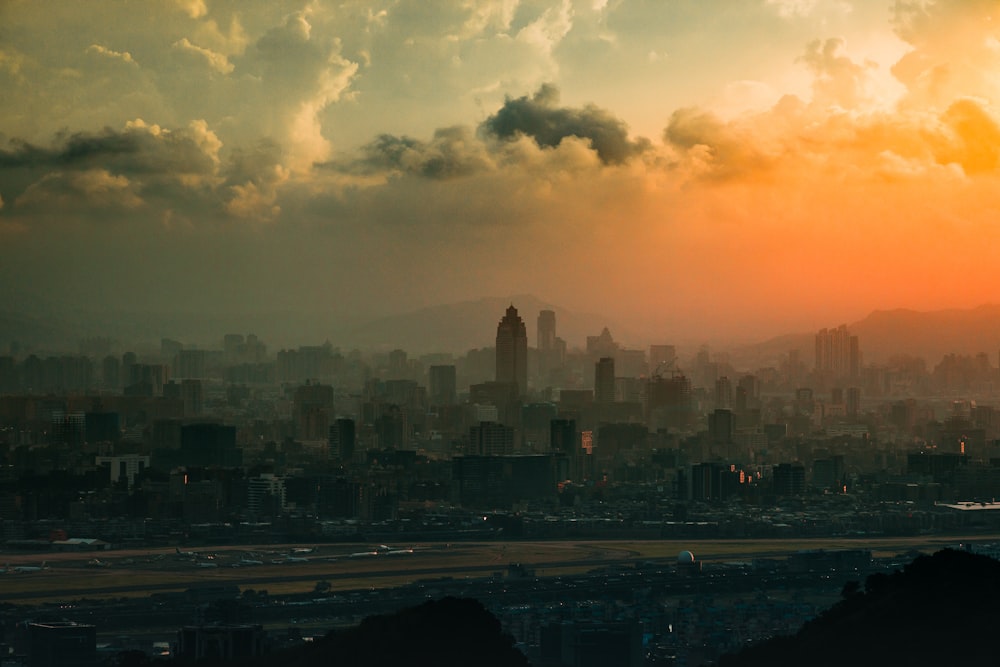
<point x="187" y="451"/>
<point x="550" y="333"/>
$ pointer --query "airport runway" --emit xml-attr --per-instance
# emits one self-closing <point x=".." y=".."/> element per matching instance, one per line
<point x="132" y="572"/>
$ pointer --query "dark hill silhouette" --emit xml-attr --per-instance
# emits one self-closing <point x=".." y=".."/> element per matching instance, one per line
<point x="451" y="632"/>
<point x="885" y="333"/>
<point x="940" y="610"/>
<point x="930" y="334"/>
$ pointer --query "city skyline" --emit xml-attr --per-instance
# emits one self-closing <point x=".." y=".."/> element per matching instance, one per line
<point x="764" y="167"/>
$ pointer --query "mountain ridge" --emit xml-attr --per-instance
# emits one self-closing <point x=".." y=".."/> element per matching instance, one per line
<point x="459" y="326"/>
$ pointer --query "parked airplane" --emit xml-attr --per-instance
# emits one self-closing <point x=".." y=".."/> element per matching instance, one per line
<point x="97" y="562"/>
<point x="303" y="550"/>
<point x="206" y="564"/>
<point x="381" y="550"/>
<point x="25" y="569"/>
<point x="250" y="561"/>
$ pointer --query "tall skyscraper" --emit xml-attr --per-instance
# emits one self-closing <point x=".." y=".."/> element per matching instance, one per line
<point x="512" y="351"/>
<point x="604" y="380"/>
<point x="723" y="393"/>
<point x="443" y="385"/>
<point x="546" y="330"/>
<point x="551" y="348"/>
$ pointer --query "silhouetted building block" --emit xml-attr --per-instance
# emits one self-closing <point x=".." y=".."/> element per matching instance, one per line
<point x="342" y="439"/>
<point x="709" y="481"/>
<point x="62" y="644"/>
<point x="837" y="354"/>
<point x="721" y="426"/>
<point x="220" y="643"/>
<point x="789" y="479"/>
<point x="669" y="403"/>
<point x="575" y="399"/>
<point x="202" y="445"/>
<point x="939" y="466"/>
<point x="615" y="438"/>
<point x="502" y="395"/>
<point x="496" y="482"/>
<point x="190" y="364"/>
<point x="491" y="439"/>
<point x="127" y="466"/>
<point x="443" y="385"/>
<point x="102" y="426"/>
<point x="604" y="380"/>
<point x="563" y="436"/>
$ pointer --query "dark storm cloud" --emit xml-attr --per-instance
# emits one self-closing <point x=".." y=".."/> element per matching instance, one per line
<point x="76" y="149"/>
<point x="540" y="118"/>
<point x="453" y="152"/>
<point x="134" y="150"/>
<point x="112" y="168"/>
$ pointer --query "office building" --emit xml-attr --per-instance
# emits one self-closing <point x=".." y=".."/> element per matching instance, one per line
<point x="443" y="385"/>
<point x="563" y="436"/>
<point x="342" y="439"/>
<point x="604" y="380"/>
<point x="491" y="439"/>
<point x="512" y="351"/>
<point x="838" y="353"/>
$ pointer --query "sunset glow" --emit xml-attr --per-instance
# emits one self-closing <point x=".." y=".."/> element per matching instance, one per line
<point x="692" y="169"/>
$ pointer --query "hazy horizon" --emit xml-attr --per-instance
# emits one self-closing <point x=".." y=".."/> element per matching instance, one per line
<point x="703" y="171"/>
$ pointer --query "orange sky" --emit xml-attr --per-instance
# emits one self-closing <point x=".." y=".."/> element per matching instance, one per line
<point x="726" y="172"/>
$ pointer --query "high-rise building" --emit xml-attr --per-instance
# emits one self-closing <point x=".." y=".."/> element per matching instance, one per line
<point x="512" y="351"/>
<point x="443" y="385"/>
<point x="723" y="393"/>
<point x="853" y="403"/>
<point x="342" y="438"/>
<point x="838" y="354"/>
<point x="491" y="439"/>
<point x="604" y="380"/>
<point x="551" y="348"/>
<point x="546" y="330"/>
<point x="563" y="436"/>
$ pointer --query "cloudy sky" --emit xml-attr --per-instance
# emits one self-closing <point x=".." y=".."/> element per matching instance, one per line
<point x="687" y="167"/>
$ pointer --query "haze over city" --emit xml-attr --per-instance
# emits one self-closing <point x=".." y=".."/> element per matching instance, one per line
<point x="551" y="333"/>
<point x="753" y="167"/>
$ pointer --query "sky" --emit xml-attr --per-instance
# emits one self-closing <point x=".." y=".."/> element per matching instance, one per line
<point x="740" y="168"/>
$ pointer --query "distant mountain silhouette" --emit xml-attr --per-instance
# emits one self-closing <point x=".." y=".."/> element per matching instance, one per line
<point x="458" y="327"/>
<point x="451" y="632"/>
<point x="884" y="333"/>
<point x="930" y="334"/>
<point x="940" y="610"/>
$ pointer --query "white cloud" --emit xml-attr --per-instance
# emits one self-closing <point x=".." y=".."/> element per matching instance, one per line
<point x="216" y="61"/>
<point x="193" y="8"/>
<point x="124" y="56"/>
